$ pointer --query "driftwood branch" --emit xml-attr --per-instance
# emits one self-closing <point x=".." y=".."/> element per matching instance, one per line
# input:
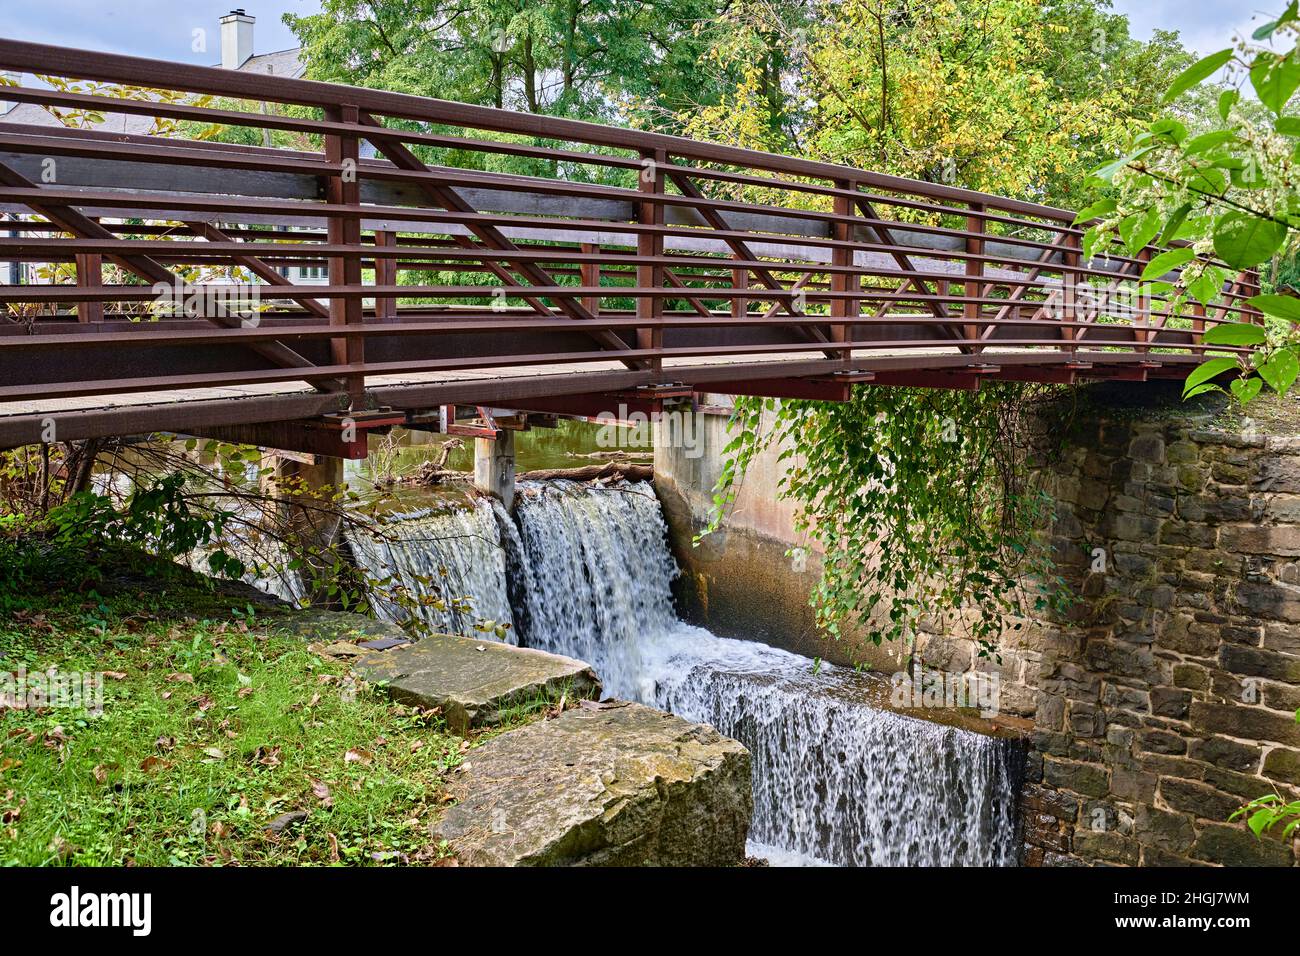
<point x="614" y="469"/>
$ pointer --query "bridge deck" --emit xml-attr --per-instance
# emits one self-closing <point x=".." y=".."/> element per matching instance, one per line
<point x="200" y="409"/>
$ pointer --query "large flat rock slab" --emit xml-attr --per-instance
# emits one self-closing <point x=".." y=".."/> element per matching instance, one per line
<point x="611" y="784"/>
<point x="474" y="681"/>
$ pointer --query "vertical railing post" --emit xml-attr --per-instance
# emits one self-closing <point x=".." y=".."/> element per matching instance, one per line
<point x="1070" y="290"/>
<point x="343" y="189"/>
<point x="846" y="310"/>
<point x="1240" y="289"/>
<point x="589" y="273"/>
<point x="974" y="273"/>
<point x="1142" y="331"/>
<point x="739" y="280"/>
<point x="385" y="274"/>
<point x="1248" y="284"/>
<point x="90" y="273"/>
<point x="648" y="245"/>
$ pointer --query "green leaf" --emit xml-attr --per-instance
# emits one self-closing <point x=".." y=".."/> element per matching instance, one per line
<point x="1169" y="129"/>
<point x="1194" y="74"/>
<point x="1208" y="286"/>
<point x="1210" y="368"/>
<point x="1175" y="222"/>
<point x="1207" y="179"/>
<point x="1235" y="333"/>
<point x="1288" y="125"/>
<point x="1242" y="240"/>
<point x="1167" y="262"/>
<point x="1206" y="141"/>
<point x="1107" y="172"/>
<point x="1281" y="306"/>
<point x="1280" y="371"/>
<point x="1138" y="229"/>
<point x="1259" y="821"/>
<point x="1264" y="32"/>
<point x="1227" y="99"/>
<point x="1244" y="390"/>
<point x="1274" y="78"/>
<point x="1200" y="390"/>
<point x="1248" y="176"/>
<point x="1098" y="209"/>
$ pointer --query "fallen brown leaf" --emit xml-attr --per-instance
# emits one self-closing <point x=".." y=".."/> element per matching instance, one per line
<point x="150" y="764"/>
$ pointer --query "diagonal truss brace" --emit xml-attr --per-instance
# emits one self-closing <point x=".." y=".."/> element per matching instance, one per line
<point x="72" y="221"/>
<point x="449" y="199"/>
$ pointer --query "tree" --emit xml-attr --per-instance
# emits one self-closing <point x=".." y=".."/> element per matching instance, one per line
<point x="578" y="58"/>
<point x="1230" y="196"/>
<point x="925" y="503"/>
<point x="1017" y="97"/>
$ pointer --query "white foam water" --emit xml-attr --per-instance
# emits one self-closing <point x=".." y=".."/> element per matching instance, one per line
<point x="586" y="572"/>
<point x="453" y="556"/>
<point x="837" y="780"/>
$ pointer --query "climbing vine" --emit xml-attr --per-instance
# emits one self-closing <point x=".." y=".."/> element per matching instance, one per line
<point x="923" y="502"/>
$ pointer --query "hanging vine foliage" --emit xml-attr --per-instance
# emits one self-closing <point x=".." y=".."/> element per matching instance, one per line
<point x="924" y="503"/>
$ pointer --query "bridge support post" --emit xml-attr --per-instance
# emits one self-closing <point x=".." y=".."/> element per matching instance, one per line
<point x="306" y="488"/>
<point x="494" y="466"/>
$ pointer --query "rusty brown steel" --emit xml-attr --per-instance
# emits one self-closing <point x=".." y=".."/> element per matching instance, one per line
<point x="645" y="268"/>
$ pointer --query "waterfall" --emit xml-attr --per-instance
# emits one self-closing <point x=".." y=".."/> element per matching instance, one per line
<point x="453" y="560"/>
<point x="837" y="778"/>
<point x="601" y="574"/>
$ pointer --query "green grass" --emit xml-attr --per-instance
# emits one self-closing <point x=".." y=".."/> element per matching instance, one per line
<point x="218" y="725"/>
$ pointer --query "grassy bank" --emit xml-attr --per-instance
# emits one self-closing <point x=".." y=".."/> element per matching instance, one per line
<point x="223" y="739"/>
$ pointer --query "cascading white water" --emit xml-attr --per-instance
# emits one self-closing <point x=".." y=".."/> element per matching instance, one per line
<point x="454" y="557"/>
<point x="836" y="778"/>
<point x="600" y="573"/>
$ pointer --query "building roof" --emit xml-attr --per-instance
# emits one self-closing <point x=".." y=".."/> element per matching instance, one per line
<point x="284" y="63"/>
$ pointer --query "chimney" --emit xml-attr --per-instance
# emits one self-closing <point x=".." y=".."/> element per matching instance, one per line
<point x="7" y="79"/>
<point x="236" y="39"/>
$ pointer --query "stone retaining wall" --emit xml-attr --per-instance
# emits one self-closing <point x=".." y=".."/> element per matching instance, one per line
<point x="1170" y="700"/>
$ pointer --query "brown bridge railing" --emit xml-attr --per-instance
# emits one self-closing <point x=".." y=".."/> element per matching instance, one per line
<point x="173" y="262"/>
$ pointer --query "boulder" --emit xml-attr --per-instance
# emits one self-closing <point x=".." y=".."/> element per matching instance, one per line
<point x="474" y="681"/>
<point x="610" y="784"/>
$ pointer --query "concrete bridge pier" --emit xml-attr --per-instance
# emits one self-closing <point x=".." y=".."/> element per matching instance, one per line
<point x="494" y="466"/>
<point x="306" y="486"/>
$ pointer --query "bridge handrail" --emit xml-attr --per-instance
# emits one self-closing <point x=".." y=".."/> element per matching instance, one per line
<point x="23" y="56"/>
<point x="977" y="273"/>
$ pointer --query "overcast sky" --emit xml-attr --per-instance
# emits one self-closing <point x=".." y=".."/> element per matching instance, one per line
<point x="164" y="28"/>
<point x="1204" y="25"/>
